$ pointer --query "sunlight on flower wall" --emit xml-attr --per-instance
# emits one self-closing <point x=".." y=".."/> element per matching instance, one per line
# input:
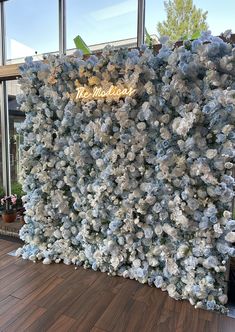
<point x="140" y="186"/>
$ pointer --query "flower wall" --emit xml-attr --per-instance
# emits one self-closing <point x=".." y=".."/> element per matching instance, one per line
<point x="139" y="187"/>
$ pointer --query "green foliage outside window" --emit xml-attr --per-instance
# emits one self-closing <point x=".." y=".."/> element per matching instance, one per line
<point x="184" y="21"/>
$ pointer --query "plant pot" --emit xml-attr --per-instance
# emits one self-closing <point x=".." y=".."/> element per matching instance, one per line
<point x="9" y="217"/>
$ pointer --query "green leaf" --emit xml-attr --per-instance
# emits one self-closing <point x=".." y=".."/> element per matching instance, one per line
<point x="148" y="39"/>
<point x="81" y="45"/>
<point x="196" y="35"/>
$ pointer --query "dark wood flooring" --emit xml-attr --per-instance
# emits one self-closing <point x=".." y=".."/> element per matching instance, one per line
<point x="10" y="229"/>
<point x="36" y="297"/>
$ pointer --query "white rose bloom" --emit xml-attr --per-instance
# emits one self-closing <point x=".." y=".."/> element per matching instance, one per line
<point x="230" y="237"/>
<point x="211" y="153"/>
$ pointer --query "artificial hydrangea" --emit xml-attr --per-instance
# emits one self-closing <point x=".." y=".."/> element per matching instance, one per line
<point x="139" y="187"/>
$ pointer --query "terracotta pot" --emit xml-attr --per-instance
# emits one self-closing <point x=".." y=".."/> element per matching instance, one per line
<point x="9" y="216"/>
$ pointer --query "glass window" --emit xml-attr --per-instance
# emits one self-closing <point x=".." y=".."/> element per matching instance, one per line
<point x="153" y="10"/>
<point x="31" y="26"/>
<point x="16" y="139"/>
<point x="99" y="23"/>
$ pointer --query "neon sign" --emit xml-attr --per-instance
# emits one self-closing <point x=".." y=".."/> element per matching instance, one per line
<point x="98" y="92"/>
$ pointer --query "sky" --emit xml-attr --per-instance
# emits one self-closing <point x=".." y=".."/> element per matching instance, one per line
<point x="32" y="25"/>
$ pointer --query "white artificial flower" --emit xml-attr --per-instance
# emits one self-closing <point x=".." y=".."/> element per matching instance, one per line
<point x="230" y="237"/>
<point x="137" y="186"/>
<point x="211" y="153"/>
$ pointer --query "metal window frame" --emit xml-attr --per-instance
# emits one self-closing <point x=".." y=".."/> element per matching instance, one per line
<point x="6" y="166"/>
<point x="6" y="169"/>
<point x="62" y="26"/>
<point x="141" y="23"/>
<point x="4" y="109"/>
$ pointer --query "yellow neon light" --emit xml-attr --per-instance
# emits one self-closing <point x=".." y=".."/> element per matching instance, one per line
<point x="97" y="93"/>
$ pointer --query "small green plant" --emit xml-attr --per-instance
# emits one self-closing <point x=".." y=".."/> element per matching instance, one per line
<point x="9" y="203"/>
<point x="148" y="39"/>
<point x="16" y="189"/>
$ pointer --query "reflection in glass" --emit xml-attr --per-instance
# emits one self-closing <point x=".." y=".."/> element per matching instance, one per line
<point x="16" y="117"/>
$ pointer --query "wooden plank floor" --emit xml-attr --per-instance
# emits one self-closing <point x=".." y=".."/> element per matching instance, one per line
<point x="37" y="297"/>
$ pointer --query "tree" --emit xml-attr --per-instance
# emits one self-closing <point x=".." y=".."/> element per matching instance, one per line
<point x="184" y="20"/>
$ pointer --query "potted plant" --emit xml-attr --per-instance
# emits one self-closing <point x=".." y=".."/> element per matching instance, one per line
<point x="9" y="211"/>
